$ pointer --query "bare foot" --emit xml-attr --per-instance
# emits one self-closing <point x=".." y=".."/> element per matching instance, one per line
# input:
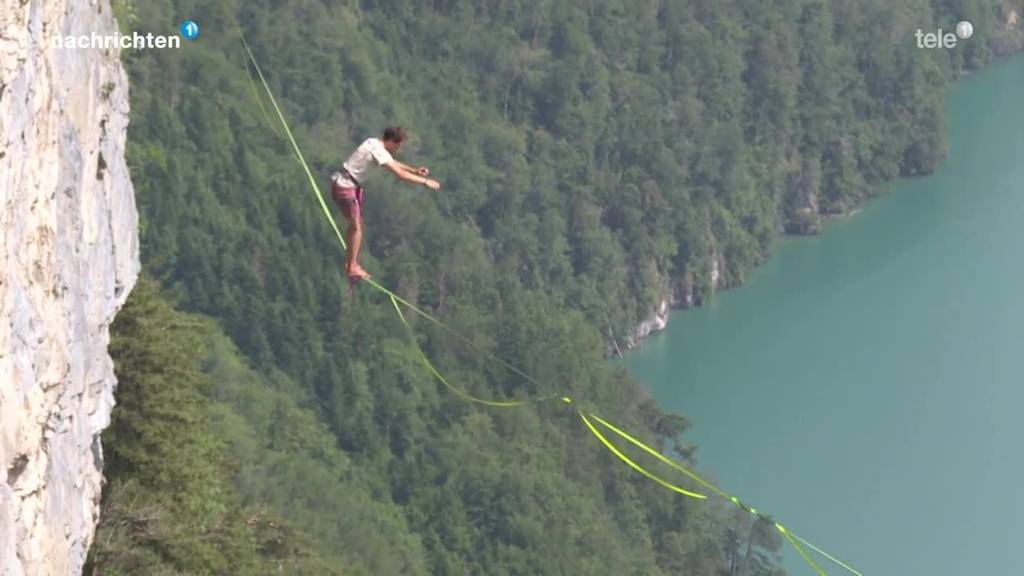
<point x="356" y="271"/>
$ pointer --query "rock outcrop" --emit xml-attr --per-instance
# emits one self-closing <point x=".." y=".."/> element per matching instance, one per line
<point x="68" y="258"/>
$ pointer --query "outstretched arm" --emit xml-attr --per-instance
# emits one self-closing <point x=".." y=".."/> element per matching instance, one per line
<point x="404" y="173"/>
<point x="421" y="171"/>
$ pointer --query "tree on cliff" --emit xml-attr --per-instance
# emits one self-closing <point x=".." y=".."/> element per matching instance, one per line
<point x="168" y="507"/>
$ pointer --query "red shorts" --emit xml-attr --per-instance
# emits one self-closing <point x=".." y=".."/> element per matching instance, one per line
<point x="350" y="200"/>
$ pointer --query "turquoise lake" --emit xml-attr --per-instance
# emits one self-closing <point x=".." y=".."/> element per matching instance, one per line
<point x="866" y="387"/>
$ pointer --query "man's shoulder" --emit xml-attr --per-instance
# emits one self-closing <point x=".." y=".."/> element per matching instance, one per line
<point x="372" y="142"/>
<point x="379" y="152"/>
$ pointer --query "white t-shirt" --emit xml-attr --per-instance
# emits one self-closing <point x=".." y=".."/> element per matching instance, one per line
<point x="370" y="151"/>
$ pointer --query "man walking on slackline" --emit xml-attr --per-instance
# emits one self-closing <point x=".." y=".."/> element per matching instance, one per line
<point x="347" y="188"/>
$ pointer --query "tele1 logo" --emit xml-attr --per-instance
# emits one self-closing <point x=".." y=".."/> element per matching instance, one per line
<point x="940" y="39"/>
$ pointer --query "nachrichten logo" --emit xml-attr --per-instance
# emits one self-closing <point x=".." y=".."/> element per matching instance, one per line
<point x="134" y="41"/>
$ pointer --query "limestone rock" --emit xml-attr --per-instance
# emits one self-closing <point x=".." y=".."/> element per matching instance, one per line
<point x="68" y="258"/>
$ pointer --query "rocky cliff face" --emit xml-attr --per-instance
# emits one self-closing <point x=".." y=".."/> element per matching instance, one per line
<point x="68" y="258"/>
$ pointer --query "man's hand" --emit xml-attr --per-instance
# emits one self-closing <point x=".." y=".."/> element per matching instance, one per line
<point x="432" y="184"/>
<point x="422" y="171"/>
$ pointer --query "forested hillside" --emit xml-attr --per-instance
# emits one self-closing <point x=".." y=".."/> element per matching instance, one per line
<point x="596" y="157"/>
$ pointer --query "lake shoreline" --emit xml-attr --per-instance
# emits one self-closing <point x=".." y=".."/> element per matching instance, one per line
<point x="836" y="388"/>
<point x="678" y="293"/>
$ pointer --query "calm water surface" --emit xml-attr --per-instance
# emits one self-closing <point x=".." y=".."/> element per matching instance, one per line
<point x="867" y="387"/>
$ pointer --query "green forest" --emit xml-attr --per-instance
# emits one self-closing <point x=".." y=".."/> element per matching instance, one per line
<point x="596" y="157"/>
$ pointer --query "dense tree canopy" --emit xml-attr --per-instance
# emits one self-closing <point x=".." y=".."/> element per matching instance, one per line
<point x="596" y="157"/>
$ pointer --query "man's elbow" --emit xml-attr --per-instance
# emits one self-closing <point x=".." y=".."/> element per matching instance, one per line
<point x="397" y="171"/>
<point x="405" y="175"/>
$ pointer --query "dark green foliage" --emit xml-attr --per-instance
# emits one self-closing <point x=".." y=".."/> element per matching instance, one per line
<point x="169" y="506"/>
<point x="596" y="157"/>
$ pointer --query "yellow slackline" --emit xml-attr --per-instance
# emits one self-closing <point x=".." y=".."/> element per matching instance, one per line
<point x="736" y="501"/>
<point x="457" y="391"/>
<point x="823" y="553"/>
<point x="803" y="553"/>
<point x="341" y="238"/>
<point x="259" y="101"/>
<point x="792" y="538"/>
<point x="661" y="457"/>
<point x="636" y="466"/>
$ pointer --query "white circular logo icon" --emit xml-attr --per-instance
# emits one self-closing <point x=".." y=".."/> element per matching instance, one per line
<point x="964" y="30"/>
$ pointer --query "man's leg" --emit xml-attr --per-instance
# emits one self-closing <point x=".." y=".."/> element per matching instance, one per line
<point x="354" y="237"/>
<point x="348" y="201"/>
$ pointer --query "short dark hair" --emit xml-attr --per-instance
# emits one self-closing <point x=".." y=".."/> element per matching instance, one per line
<point x="393" y="134"/>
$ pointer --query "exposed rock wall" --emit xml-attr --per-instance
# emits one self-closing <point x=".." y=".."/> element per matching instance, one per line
<point x="68" y="258"/>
